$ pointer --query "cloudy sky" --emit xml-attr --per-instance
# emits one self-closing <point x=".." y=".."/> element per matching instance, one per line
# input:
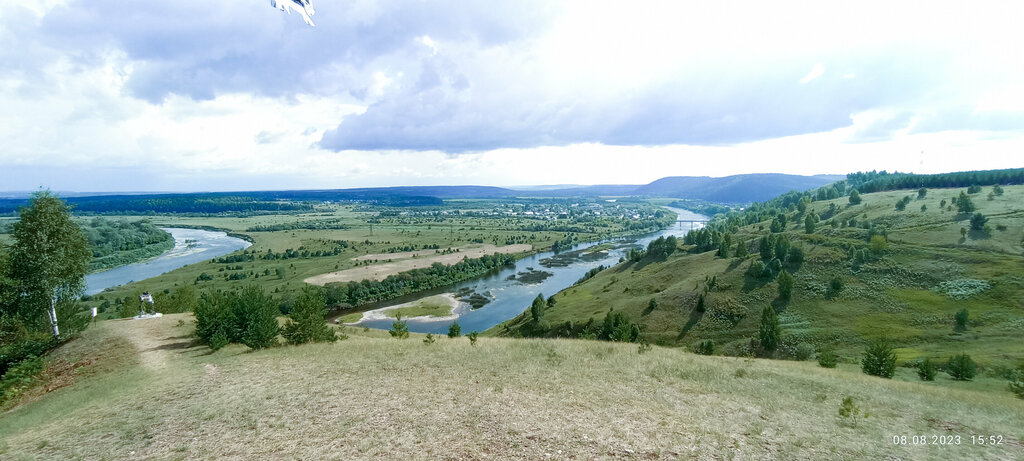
<point x="105" y="95"/>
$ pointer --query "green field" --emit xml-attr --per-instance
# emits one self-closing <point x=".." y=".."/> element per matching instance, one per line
<point x="431" y="306"/>
<point x="372" y="230"/>
<point x="894" y="295"/>
<point x="143" y="389"/>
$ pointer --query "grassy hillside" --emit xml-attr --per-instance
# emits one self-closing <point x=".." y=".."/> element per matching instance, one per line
<point x="893" y="294"/>
<point x="142" y="389"/>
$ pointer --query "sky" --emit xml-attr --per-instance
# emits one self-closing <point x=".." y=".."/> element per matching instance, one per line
<point x="190" y="95"/>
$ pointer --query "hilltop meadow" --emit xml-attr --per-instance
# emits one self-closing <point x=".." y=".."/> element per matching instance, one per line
<point x="146" y="389"/>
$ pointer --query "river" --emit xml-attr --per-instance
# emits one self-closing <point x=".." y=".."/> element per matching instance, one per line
<point x="190" y="246"/>
<point x="510" y="297"/>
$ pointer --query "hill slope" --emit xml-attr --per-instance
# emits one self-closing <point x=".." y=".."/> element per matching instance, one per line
<point x="737" y="189"/>
<point x="896" y="293"/>
<point x="141" y="389"/>
<point x="733" y="189"/>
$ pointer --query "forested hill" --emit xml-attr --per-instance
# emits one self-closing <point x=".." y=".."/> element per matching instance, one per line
<point x="733" y="189"/>
<point x="744" y="188"/>
<point x="934" y="271"/>
<point x="116" y="243"/>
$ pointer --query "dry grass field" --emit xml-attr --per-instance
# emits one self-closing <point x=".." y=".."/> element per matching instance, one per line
<point x="401" y="262"/>
<point x="143" y="390"/>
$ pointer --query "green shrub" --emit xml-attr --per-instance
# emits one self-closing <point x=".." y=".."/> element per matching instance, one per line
<point x="218" y="340"/>
<point x="741" y="250"/>
<point x="399" y="328"/>
<point x="472" y="338"/>
<point x="878" y="244"/>
<point x="256" y="317"/>
<point x="183" y="299"/>
<point x="795" y="257"/>
<point x="836" y="284"/>
<point x="454" y="330"/>
<point x="706" y="347"/>
<point x="756" y="270"/>
<point x="962" y="288"/>
<point x="960" y="320"/>
<point x="785" y="282"/>
<point x="247" y="316"/>
<point x="306" y="323"/>
<point x="214" y="318"/>
<point x="429" y="339"/>
<point x="803" y="351"/>
<point x="850" y="411"/>
<point x="19" y="377"/>
<point x="978" y="221"/>
<point x="618" y="327"/>
<point x="769" y="331"/>
<point x="644" y="347"/>
<point x="827" y="358"/>
<point x="963" y="203"/>
<point x="879" y="359"/>
<point x="926" y="370"/>
<point x="21" y="343"/>
<point x="961" y="367"/>
<point x="1016" y="384"/>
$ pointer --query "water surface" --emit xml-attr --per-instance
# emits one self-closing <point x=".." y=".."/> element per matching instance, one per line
<point x="190" y="246"/>
<point x="510" y="297"/>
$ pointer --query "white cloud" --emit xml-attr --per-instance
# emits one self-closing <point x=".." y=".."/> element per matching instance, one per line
<point x="381" y="93"/>
<point x="817" y="71"/>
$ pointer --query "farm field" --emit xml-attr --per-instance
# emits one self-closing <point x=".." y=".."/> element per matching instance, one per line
<point x="288" y="249"/>
<point x="385" y="265"/>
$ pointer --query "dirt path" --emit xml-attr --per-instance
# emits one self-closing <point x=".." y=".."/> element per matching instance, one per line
<point x="155" y="339"/>
<point x="402" y="262"/>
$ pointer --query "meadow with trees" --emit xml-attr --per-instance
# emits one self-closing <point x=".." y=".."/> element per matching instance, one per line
<point x="835" y="274"/>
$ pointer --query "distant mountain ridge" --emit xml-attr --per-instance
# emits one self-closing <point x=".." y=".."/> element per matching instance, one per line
<point x="734" y="189"/>
<point x="740" y="188"/>
<point x="728" y="189"/>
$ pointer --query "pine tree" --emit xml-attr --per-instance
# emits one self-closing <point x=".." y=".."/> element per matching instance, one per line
<point x="306" y="322"/>
<point x="785" y="285"/>
<point x="855" y="197"/>
<point x="741" y="250"/>
<point x="725" y="245"/>
<point x="769" y="333"/>
<point x="963" y="203"/>
<point x="256" y="317"/>
<point x="454" y="330"/>
<point x="879" y="359"/>
<point x="537" y="309"/>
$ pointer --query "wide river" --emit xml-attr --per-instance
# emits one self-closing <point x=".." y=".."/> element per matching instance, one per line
<point x="510" y="296"/>
<point x="190" y="246"/>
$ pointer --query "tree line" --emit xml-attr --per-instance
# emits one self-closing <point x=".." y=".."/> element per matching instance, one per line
<point x="435" y="276"/>
<point x="120" y="242"/>
<point x="876" y="181"/>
